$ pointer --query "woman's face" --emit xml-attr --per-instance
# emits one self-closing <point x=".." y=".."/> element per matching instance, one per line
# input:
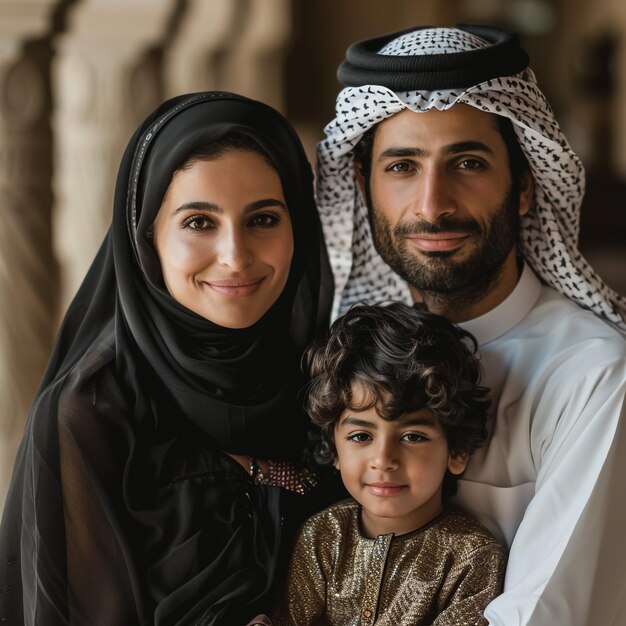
<point x="224" y="238"/>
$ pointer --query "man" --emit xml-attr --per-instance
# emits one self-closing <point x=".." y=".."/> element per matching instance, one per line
<point x="444" y="148"/>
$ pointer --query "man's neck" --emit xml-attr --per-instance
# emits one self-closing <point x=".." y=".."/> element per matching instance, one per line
<point x="474" y="301"/>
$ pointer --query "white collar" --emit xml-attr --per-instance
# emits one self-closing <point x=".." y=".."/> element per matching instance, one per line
<point x="509" y="312"/>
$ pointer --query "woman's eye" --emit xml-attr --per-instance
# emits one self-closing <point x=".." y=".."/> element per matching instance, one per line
<point x="400" y="167"/>
<point x="264" y="220"/>
<point x="359" y="437"/>
<point x="197" y="222"/>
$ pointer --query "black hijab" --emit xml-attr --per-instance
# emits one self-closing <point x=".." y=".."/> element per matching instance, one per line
<point x="140" y="397"/>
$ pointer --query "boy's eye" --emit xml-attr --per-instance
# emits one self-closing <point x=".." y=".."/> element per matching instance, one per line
<point x="358" y="437"/>
<point x="414" y="437"/>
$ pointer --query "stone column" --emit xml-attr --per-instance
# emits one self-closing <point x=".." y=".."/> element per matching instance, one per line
<point x="254" y="67"/>
<point x="27" y="268"/>
<point x="104" y="82"/>
<point x="617" y="12"/>
<point x="194" y="56"/>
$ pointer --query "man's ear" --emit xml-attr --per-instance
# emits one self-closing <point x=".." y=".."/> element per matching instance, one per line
<point x="526" y="192"/>
<point x="360" y="179"/>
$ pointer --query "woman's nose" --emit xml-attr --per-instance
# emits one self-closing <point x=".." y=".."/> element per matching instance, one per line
<point x="233" y="250"/>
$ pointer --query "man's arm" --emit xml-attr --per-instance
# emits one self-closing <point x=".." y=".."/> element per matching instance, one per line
<point x="567" y="563"/>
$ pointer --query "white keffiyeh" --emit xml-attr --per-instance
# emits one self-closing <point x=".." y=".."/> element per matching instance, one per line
<point x="550" y="229"/>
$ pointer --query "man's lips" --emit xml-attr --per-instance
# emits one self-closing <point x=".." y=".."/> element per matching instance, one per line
<point x="385" y="489"/>
<point x="235" y="287"/>
<point x="442" y="242"/>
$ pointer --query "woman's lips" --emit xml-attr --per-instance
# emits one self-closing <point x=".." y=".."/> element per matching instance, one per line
<point x="235" y="288"/>
<point x="443" y="242"/>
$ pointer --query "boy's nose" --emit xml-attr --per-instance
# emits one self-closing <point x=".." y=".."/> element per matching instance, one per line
<point x="384" y="457"/>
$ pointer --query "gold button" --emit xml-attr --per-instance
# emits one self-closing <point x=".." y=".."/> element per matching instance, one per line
<point x="367" y="613"/>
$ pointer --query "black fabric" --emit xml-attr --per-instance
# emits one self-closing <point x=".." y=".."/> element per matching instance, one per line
<point x="123" y="508"/>
<point x="364" y="66"/>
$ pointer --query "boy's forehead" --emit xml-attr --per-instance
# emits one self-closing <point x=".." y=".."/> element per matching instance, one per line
<point x="368" y="398"/>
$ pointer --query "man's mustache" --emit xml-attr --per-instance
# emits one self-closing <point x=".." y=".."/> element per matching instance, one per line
<point x="445" y="225"/>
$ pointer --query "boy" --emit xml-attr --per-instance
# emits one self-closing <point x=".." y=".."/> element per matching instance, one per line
<point x="395" y="393"/>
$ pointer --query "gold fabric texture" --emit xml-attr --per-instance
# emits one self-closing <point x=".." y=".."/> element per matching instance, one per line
<point x="443" y="574"/>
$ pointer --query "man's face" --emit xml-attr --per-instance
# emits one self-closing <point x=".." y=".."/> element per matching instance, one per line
<point x="443" y="209"/>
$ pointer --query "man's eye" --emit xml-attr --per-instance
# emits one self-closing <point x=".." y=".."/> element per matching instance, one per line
<point x="197" y="222"/>
<point x="400" y="167"/>
<point x="471" y="164"/>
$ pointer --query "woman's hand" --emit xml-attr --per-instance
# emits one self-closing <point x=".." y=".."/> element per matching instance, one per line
<point x="248" y="463"/>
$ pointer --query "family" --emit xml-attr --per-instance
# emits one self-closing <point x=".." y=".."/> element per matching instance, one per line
<point x="389" y="394"/>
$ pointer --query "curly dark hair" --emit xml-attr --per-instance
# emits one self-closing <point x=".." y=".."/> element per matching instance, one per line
<point x="406" y="359"/>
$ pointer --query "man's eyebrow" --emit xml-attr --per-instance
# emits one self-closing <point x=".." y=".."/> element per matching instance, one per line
<point x="447" y="150"/>
<point x="397" y="152"/>
<point x="466" y="146"/>
<point x="211" y="207"/>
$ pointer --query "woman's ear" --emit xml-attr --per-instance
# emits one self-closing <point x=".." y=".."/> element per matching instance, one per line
<point x="457" y="463"/>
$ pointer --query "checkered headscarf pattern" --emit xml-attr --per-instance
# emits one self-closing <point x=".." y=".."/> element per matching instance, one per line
<point x="549" y="231"/>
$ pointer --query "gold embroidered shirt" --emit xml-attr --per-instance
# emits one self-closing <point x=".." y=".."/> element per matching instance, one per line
<point x="443" y="574"/>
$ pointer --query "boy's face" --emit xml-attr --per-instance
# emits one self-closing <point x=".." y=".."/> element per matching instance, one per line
<point x="393" y="468"/>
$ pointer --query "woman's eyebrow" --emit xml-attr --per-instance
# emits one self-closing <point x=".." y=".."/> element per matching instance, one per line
<point x="266" y="202"/>
<point x="211" y="207"/>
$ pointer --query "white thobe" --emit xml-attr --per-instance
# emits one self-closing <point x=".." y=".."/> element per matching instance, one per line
<point x="551" y="481"/>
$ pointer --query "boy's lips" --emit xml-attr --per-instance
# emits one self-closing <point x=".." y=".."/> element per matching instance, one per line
<point x="385" y="489"/>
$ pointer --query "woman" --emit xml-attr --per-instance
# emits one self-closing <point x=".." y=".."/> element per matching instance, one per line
<point x="181" y="348"/>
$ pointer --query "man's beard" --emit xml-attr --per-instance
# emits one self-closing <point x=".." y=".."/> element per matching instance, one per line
<point x="438" y="272"/>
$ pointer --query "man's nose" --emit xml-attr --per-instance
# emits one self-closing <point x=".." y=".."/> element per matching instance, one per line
<point x="434" y="197"/>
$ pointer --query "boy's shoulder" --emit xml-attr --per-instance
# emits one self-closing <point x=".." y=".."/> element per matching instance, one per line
<point x="463" y="532"/>
<point x="334" y="519"/>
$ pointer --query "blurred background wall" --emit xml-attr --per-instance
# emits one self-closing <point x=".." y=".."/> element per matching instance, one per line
<point x="77" y="77"/>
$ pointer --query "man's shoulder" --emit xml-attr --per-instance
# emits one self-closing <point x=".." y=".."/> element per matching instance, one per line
<point x="562" y="325"/>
